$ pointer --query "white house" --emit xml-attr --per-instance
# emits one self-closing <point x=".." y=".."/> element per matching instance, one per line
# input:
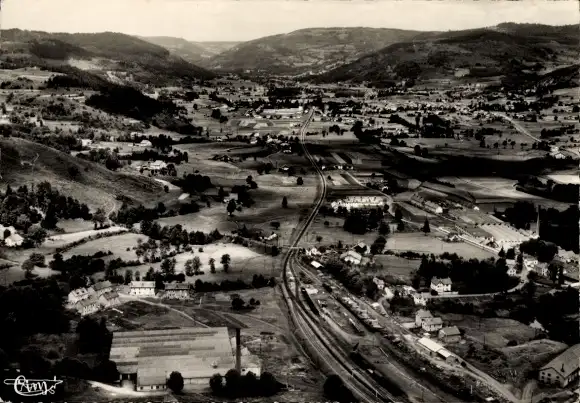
<point x="142" y="288"/>
<point x="78" y="295"/>
<point x="432" y="324"/>
<point x="389" y="294"/>
<point x="421" y="316"/>
<point x="86" y="142"/>
<point x="313" y="252"/>
<point x="109" y="299"/>
<point x="145" y="143"/>
<point x="421" y="298"/>
<point x="176" y="291"/>
<point x="351" y="257"/>
<point x="14" y="240"/>
<point x="441" y="285"/>
<point x="88" y="306"/>
<point x="157" y="165"/>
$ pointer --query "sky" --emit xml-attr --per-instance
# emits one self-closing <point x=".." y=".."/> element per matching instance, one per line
<point x="241" y="20"/>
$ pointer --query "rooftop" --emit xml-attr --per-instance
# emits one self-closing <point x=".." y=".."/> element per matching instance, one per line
<point x="142" y="284"/>
<point x="567" y="362"/>
<point x="154" y="354"/>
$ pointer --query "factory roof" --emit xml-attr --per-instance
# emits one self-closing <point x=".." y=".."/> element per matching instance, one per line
<point x="154" y="354"/>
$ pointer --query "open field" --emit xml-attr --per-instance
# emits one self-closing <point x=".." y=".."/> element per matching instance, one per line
<point x="117" y="244"/>
<point x="420" y="243"/>
<point x="397" y="268"/>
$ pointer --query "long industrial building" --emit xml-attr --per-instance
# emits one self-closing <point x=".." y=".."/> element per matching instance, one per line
<point x="145" y="359"/>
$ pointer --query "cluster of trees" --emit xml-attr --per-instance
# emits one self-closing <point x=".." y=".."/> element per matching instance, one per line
<point x="544" y="251"/>
<point x="561" y="227"/>
<point x="19" y="209"/>
<point x="229" y="285"/>
<point x="176" y="235"/>
<point x="235" y="385"/>
<point x="194" y="183"/>
<point x="471" y="276"/>
<point x="361" y="221"/>
<point x="567" y="193"/>
<point x="369" y="136"/>
<point x="336" y="390"/>
<point x="77" y="267"/>
<point x="176" y="157"/>
<point x="27" y="308"/>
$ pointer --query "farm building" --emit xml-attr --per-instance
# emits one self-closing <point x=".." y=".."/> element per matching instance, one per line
<point x="563" y="369"/>
<point x="421" y="315"/>
<point x="421" y="298"/>
<point x="441" y="285"/>
<point x="147" y="358"/>
<point x="436" y="350"/>
<point x="13" y="240"/>
<point x="449" y="334"/>
<point x="142" y="288"/>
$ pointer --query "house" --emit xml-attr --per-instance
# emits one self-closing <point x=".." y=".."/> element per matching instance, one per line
<point x="142" y="288"/>
<point x="177" y="291"/>
<point x="5" y="232"/>
<point x="441" y="284"/>
<point x="351" y="257"/>
<point x="313" y="252"/>
<point x="432" y="324"/>
<point x="14" y="240"/>
<point x="109" y="299"/>
<point x="389" y="294"/>
<point x="563" y="369"/>
<point x="380" y="283"/>
<point x="421" y="315"/>
<point x="512" y="271"/>
<point x="315" y="264"/>
<point x="407" y="290"/>
<point x="361" y="248"/>
<point x="421" y="298"/>
<point x="449" y="334"/>
<point x="78" y="295"/>
<point x="157" y="166"/>
<point x="86" y="142"/>
<point x="145" y="143"/>
<point x="88" y="306"/>
<point x="101" y="288"/>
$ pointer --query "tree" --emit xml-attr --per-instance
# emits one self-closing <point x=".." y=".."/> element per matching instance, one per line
<point x="168" y="266"/>
<point x="189" y="267"/>
<point x="233" y="381"/>
<point x="231" y="207"/>
<point x="128" y="276"/>
<point x="73" y="171"/>
<point x="300" y="181"/>
<point x="284" y="202"/>
<point x="28" y="266"/>
<point x="225" y="261"/>
<point x="99" y="217"/>
<point x="216" y="383"/>
<point x="212" y="265"/>
<point x="196" y="264"/>
<point x="501" y="253"/>
<point x="384" y="228"/>
<point x="50" y="218"/>
<point x="398" y="215"/>
<point x="175" y="382"/>
<point x="426" y="228"/>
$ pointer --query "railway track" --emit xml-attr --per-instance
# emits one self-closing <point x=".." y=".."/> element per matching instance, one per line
<point x="362" y="386"/>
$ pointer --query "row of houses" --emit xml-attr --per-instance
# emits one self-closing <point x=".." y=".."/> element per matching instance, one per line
<point x="170" y="291"/>
<point x="359" y="202"/>
<point x="90" y="300"/>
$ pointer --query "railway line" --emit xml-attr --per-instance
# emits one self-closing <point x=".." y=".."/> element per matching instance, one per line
<point x="364" y="388"/>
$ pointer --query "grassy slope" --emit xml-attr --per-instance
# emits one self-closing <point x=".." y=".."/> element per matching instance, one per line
<point x="307" y="49"/>
<point x="96" y="187"/>
<point x="113" y="51"/>
<point x="442" y="53"/>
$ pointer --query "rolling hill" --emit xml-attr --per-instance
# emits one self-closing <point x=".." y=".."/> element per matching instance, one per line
<point x="107" y="51"/>
<point x="194" y="52"/>
<point x="94" y="185"/>
<point x="306" y="50"/>
<point x="484" y="52"/>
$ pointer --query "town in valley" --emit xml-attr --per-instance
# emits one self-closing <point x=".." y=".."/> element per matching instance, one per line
<point x="318" y="214"/>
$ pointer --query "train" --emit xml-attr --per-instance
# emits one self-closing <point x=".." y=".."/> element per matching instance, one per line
<point x="309" y="301"/>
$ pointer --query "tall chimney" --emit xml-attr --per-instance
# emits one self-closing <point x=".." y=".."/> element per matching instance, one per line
<point x="238" y="352"/>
